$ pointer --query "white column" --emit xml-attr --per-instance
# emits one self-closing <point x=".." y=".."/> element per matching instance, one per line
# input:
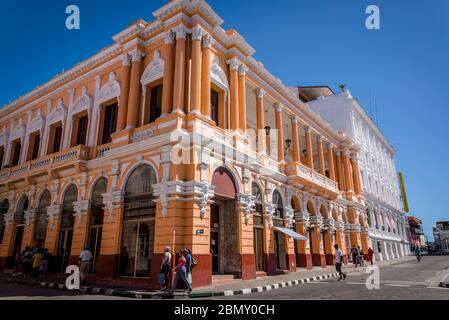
<point x="23" y="156"/>
<point x="69" y="121"/>
<point x="45" y="138"/>
<point x="93" y="134"/>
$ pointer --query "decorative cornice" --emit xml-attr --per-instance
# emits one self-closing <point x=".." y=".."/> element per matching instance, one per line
<point x="126" y="60"/>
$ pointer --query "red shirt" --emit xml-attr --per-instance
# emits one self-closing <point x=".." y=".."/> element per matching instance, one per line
<point x="181" y="263"/>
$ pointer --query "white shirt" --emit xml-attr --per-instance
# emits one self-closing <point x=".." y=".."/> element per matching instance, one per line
<point x="338" y="256"/>
<point x="85" y="256"/>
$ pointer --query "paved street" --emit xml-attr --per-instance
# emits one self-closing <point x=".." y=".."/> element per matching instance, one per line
<point x="410" y="280"/>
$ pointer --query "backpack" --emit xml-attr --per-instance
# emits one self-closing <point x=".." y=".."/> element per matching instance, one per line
<point x="194" y="263"/>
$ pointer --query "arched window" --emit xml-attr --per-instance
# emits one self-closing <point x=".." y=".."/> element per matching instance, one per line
<point x="19" y="219"/>
<point x="96" y="220"/>
<point x="70" y="196"/>
<point x="96" y="206"/>
<point x="278" y="205"/>
<point x="138" y="223"/>
<point x="4" y="207"/>
<point x="40" y="229"/>
<point x="66" y="230"/>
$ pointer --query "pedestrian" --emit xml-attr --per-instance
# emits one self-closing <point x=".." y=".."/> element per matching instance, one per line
<point x="360" y="256"/>
<point x="27" y="257"/>
<point x="84" y="263"/>
<point x="17" y="264"/>
<point x="188" y="255"/>
<point x="166" y="267"/>
<point x="354" y="255"/>
<point x="339" y="263"/>
<point x="370" y="255"/>
<point x="180" y="270"/>
<point x="43" y="267"/>
<point x="37" y="259"/>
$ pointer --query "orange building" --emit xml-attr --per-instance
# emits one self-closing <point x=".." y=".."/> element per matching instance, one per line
<point x="176" y="136"/>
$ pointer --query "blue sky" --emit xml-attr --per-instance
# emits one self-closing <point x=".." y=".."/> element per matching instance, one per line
<point x="404" y="66"/>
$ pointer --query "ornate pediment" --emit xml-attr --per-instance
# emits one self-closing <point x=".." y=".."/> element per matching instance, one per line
<point x="58" y="114"/>
<point x="110" y="90"/>
<point x="84" y="102"/>
<point x="37" y="124"/>
<point x="18" y="132"/>
<point x="4" y="137"/>
<point x="154" y="70"/>
<point x="218" y="75"/>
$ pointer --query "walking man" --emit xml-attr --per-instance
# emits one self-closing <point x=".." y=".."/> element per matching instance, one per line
<point x="339" y="262"/>
<point x="370" y="255"/>
<point x="84" y="259"/>
<point x="354" y="255"/>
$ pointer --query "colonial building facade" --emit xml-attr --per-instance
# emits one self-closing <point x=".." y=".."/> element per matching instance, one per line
<point x="385" y="216"/>
<point x="176" y="136"/>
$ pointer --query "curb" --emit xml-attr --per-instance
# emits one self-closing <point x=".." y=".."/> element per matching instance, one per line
<point x="270" y="287"/>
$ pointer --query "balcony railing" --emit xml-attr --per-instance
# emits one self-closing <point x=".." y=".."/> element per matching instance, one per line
<point x="51" y="161"/>
<point x="304" y="172"/>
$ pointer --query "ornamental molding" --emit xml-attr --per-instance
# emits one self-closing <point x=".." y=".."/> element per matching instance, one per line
<point x="208" y="41"/>
<point x="136" y="55"/>
<point x="154" y="70"/>
<point x="169" y="37"/>
<point x="113" y="200"/>
<point x="80" y="209"/>
<point x="110" y="90"/>
<point x="84" y="102"/>
<point x="234" y="64"/>
<point x="289" y="217"/>
<point x="269" y="213"/>
<point x="4" y="137"/>
<point x="247" y="203"/>
<point x="260" y="93"/>
<point x="53" y="212"/>
<point x="18" y="132"/>
<point x="29" y="217"/>
<point x="38" y="123"/>
<point x="58" y="114"/>
<point x="197" y="32"/>
<point x="218" y="75"/>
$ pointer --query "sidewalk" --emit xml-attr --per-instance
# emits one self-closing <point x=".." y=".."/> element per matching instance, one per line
<point x="235" y="287"/>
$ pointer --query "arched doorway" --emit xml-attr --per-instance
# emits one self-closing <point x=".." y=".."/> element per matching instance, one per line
<point x="137" y="245"/>
<point x="224" y="225"/>
<point x="19" y="219"/>
<point x="258" y="228"/>
<point x="40" y="226"/>
<point x="279" y="238"/>
<point x="66" y="229"/>
<point x="4" y="207"/>
<point x="96" y="220"/>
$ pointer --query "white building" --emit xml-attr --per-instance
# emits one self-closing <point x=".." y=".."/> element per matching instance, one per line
<point x="385" y="215"/>
<point x="441" y="236"/>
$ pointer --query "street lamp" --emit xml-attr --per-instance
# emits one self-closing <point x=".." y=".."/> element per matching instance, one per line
<point x="267" y="130"/>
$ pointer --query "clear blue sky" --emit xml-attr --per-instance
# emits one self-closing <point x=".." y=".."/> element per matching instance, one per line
<point x="404" y="65"/>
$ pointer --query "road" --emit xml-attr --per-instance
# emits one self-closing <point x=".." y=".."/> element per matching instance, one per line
<point x="410" y="280"/>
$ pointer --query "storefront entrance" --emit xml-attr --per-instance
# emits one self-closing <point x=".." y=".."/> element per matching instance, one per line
<point x="224" y="238"/>
<point x="226" y="259"/>
<point x="96" y="221"/>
